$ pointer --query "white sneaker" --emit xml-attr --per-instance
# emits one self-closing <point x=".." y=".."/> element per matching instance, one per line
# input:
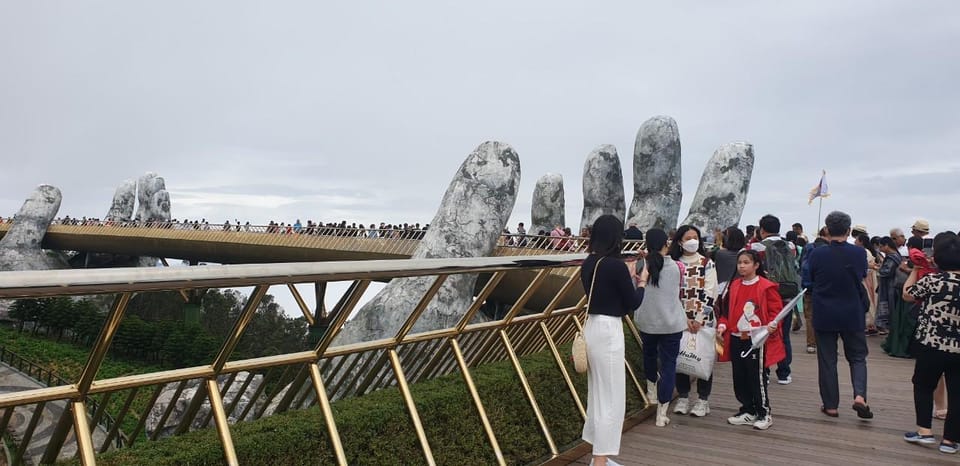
<point x="700" y="408"/>
<point x="811" y="349"/>
<point x="743" y="419"/>
<point x="682" y="406"/>
<point x="651" y="393"/>
<point x="785" y="381"/>
<point x="763" y="423"/>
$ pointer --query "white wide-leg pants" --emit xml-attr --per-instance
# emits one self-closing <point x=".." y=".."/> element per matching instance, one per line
<point x="606" y="384"/>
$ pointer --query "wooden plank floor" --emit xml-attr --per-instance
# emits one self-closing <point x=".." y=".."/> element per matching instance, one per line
<point x="800" y="433"/>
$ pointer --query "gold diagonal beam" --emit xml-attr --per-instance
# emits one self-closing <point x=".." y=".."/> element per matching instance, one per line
<point x="341" y="312"/>
<point x="327" y="411"/>
<point x="82" y="430"/>
<point x="527" y="294"/>
<point x="253" y="302"/>
<point x="115" y="429"/>
<point x="567" y="286"/>
<point x="476" y="401"/>
<point x="563" y="371"/>
<point x="301" y="303"/>
<point x="421" y="306"/>
<point x="103" y="343"/>
<point x="484" y="294"/>
<point x="529" y="392"/>
<point x="411" y="407"/>
<point x="223" y="428"/>
<point x="146" y="413"/>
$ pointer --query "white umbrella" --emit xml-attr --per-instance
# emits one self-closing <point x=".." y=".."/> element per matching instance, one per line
<point x="758" y="336"/>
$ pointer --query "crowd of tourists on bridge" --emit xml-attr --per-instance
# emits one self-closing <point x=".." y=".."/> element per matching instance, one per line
<point x="741" y="298"/>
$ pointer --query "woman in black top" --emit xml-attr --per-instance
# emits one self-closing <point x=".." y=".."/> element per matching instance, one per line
<point x="612" y="295"/>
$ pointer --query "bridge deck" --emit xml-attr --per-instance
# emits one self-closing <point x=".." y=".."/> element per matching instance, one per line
<point x="800" y="433"/>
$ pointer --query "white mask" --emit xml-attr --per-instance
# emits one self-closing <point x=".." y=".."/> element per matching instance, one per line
<point x="691" y="245"/>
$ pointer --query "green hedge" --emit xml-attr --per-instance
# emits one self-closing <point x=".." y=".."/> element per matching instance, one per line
<point x="376" y="429"/>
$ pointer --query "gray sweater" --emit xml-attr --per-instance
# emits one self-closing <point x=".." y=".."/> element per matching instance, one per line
<point x="661" y="311"/>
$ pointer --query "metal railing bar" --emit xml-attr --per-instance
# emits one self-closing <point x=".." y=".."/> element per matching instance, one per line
<point x="411" y="407"/>
<point x="478" y="404"/>
<point x="120" y="416"/>
<point x="166" y="413"/>
<point x="564" y="372"/>
<point x="146" y="413"/>
<point x="81" y="429"/>
<point x="531" y="398"/>
<point x="31" y="426"/>
<point x="39" y="283"/>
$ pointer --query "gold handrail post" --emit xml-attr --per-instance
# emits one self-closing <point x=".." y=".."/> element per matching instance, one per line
<point x="328" y="414"/>
<point x="563" y="371"/>
<point x="477" y="402"/>
<point x="411" y="407"/>
<point x="82" y="429"/>
<point x="529" y="392"/>
<point x="223" y="427"/>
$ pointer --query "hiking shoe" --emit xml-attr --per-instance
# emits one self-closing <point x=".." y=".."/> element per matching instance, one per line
<point x="763" y="423"/>
<point x="682" y="406"/>
<point x="700" y="408"/>
<point x="949" y="448"/>
<point x="916" y="437"/>
<point x="785" y="381"/>
<point x="811" y="349"/>
<point x="742" y="419"/>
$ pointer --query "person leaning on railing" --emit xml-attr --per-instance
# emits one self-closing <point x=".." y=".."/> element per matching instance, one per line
<point x="609" y="283"/>
<point x="938" y="337"/>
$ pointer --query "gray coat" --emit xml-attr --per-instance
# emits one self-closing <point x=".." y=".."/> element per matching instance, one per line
<point x="661" y="311"/>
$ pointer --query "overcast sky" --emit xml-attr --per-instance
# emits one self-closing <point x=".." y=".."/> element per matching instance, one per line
<point x="349" y="110"/>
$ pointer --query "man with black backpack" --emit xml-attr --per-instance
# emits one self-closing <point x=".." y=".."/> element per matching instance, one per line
<point x="780" y="261"/>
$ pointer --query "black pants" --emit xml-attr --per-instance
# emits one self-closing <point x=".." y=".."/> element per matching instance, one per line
<point x="930" y="364"/>
<point x="750" y="380"/>
<point x="855" y="350"/>
<point x="704" y="387"/>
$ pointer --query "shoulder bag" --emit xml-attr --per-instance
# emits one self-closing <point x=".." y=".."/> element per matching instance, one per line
<point x="579" y="348"/>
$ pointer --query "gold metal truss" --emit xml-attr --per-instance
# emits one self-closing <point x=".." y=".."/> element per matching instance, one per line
<point x="317" y="376"/>
<point x="219" y="242"/>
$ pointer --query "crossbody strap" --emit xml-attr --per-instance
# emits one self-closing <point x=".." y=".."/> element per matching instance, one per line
<point x="593" y="280"/>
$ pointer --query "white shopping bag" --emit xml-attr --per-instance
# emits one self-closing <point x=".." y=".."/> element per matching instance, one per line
<point x="698" y="351"/>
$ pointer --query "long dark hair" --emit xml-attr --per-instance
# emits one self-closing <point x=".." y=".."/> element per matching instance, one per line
<point x="606" y="237"/>
<point x="656" y="240"/>
<point x="733" y="239"/>
<point x="723" y="307"/>
<point x="676" y="247"/>
<point x="868" y="245"/>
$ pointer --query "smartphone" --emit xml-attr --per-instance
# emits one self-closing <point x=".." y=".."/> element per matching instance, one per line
<point x="928" y="247"/>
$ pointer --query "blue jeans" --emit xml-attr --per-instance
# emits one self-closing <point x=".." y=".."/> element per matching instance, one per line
<point x="783" y="367"/>
<point x="665" y="348"/>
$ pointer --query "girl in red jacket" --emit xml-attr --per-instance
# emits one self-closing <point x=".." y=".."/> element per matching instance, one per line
<point x="751" y="302"/>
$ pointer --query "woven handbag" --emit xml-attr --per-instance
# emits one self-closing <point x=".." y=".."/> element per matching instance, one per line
<point x="579" y="348"/>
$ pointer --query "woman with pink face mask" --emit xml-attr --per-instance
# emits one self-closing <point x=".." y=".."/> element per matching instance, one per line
<point x="698" y="290"/>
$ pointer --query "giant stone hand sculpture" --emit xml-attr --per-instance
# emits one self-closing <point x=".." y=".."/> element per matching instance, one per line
<point x="602" y="185"/>
<point x="468" y="223"/>
<point x="20" y="247"/>
<point x="720" y="198"/>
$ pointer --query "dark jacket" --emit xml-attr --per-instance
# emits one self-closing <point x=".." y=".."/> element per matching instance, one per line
<point x="836" y="274"/>
<point x="632" y="233"/>
<point x="614" y="293"/>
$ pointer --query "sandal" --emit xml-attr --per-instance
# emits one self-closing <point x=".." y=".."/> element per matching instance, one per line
<point x="863" y="411"/>
<point x="940" y="414"/>
<point x="829" y="412"/>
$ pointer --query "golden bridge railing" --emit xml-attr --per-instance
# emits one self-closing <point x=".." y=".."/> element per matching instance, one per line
<point x="327" y="371"/>
<point x="386" y="243"/>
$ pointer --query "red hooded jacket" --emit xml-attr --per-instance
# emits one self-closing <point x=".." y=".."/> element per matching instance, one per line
<point x="768" y="304"/>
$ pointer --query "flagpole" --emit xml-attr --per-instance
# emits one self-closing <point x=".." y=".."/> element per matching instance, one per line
<point x="819" y="214"/>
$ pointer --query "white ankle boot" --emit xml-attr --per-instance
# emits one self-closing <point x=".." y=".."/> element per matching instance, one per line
<point x="651" y="393"/>
<point x="662" y="419"/>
